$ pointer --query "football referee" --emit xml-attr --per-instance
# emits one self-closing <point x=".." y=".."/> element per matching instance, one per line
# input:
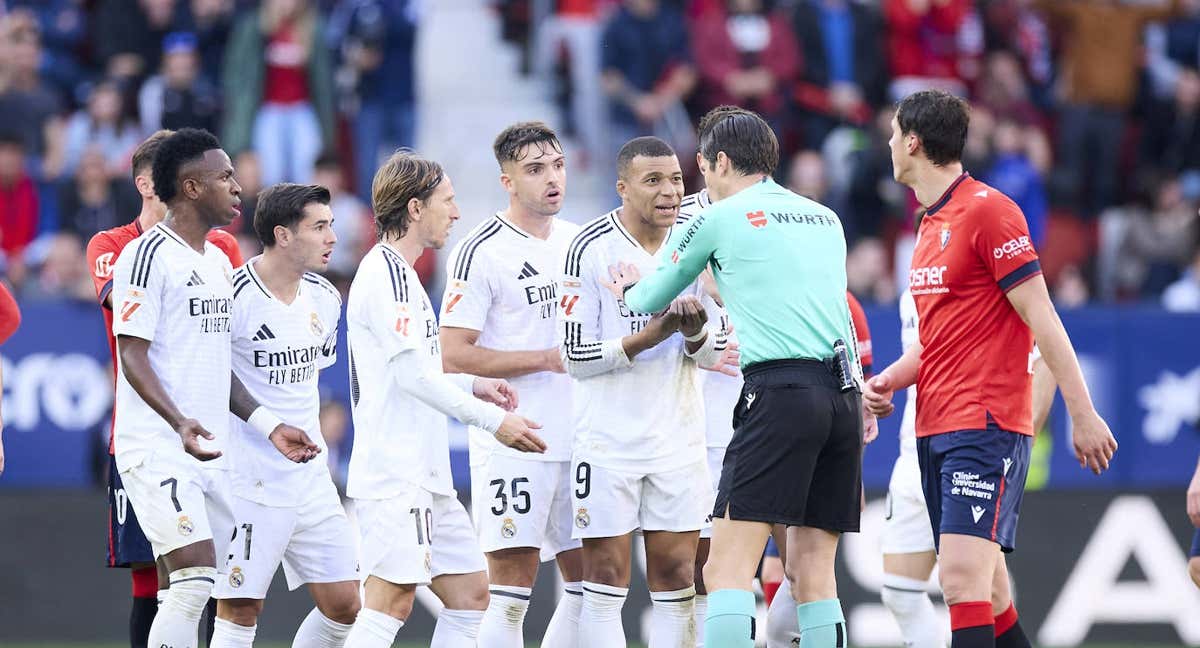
<point x="795" y="459"/>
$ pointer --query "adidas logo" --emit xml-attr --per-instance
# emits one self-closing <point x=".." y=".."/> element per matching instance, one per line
<point x="195" y="279"/>
<point x="527" y="271"/>
<point x="976" y="512"/>
<point x="263" y="333"/>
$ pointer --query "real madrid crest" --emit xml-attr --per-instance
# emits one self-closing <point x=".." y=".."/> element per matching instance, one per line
<point x="185" y="525"/>
<point x="508" y="529"/>
<point x="582" y="519"/>
<point x="428" y="560"/>
<point x="314" y="325"/>
<point x="236" y="577"/>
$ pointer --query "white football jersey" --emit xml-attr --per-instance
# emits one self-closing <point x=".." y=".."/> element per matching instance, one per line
<point x="643" y="416"/>
<point x="721" y="392"/>
<point x="278" y="352"/>
<point x="908" y="337"/>
<point x="503" y="282"/>
<point x="180" y="300"/>
<point x="399" y="441"/>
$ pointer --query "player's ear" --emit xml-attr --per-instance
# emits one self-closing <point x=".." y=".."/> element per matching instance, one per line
<point x="912" y="143"/>
<point x="145" y="186"/>
<point x="283" y="235"/>
<point x="506" y="181"/>
<point x="722" y="161"/>
<point x="414" y="209"/>
<point x="622" y="188"/>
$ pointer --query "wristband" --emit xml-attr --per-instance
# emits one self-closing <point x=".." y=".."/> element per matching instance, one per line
<point x="264" y="420"/>
<point x="697" y="337"/>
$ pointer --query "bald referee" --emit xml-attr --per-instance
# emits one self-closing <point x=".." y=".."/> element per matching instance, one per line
<point x="780" y="265"/>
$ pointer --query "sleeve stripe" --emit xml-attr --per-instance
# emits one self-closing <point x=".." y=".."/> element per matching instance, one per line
<point x="585" y="238"/>
<point x="318" y="280"/>
<point x="584" y="233"/>
<point x="399" y="280"/>
<point x="466" y="253"/>
<point x="144" y="260"/>
<point x="1019" y="275"/>
<point x="576" y="351"/>
<point x="237" y="291"/>
<point x="137" y="256"/>
<point x="104" y="293"/>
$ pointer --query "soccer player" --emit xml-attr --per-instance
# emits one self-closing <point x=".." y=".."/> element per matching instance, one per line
<point x="414" y="530"/>
<point x="127" y="544"/>
<point x="498" y="320"/>
<point x="639" y="411"/>
<point x="907" y="540"/>
<point x="982" y="303"/>
<point x="795" y="458"/>
<point x="1193" y="511"/>
<point x="10" y="319"/>
<point x="285" y="321"/>
<point x="171" y="297"/>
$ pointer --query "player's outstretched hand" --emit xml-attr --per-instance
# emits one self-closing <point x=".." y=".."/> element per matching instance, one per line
<point x="877" y="395"/>
<point x="1094" y="442"/>
<point x="293" y="443"/>
<point x="692" y="316"/>
<point x="1193" y="499"/>
<point x="730" y="361"/>
<point x="496" y="391"/>
<point x="191" y="432"/>
<point x="517" y="432"/>
<point x="621" y="275"/>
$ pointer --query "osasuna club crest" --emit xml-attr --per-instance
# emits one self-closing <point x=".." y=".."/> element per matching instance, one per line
<point x="945" y="236"/>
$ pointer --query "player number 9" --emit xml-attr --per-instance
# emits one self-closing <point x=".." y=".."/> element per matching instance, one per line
<point x="583" y="477"/>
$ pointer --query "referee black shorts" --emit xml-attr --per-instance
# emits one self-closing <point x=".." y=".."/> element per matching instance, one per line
<point x="796" y="453"/>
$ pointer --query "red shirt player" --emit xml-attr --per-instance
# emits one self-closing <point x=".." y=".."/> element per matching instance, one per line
<point x="981" y="301"/>
<point x="127" y="546"/>
<point x="10" y="319"/>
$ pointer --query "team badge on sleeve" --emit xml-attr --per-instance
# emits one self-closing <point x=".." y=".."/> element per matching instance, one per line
<point x="104" y="265"/>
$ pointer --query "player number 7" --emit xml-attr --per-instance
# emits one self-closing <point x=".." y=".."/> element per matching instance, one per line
<point x="173" y="483"/>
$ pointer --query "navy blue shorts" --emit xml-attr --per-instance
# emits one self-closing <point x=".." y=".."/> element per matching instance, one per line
<point x="973" y="481"/>
<point x="1195" y="552"/>
<point x="127" y="545"/>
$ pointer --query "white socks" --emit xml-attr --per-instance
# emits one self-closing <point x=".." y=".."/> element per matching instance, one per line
<point x="673" y="620"/>
<point x="505" y="617"/>
<point x="600" y="619"/>
<point x="179" y="613"/>
<point x="319" y="631"/>
<point x="563" y="631"/>
<point x="457" y="629"/>
<point x="701" y="612"/>
<point x="227" y="634"/>
<point x="783" y="624"/>
<point x="914" y="613"/>
<point x="373" y="629"/>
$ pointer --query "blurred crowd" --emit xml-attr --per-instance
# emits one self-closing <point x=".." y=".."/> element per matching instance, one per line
<point x="1086" y="112"/>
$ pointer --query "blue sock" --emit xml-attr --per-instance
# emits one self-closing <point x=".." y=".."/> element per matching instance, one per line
<point x="730" y="619"/>
<point x="822" y="624"/>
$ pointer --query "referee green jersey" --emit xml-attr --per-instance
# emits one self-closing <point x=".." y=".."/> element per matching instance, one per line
<point x="780" y="264"/>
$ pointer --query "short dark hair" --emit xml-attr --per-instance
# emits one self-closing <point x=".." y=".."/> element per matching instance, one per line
<point x="940" y="120"/>
<point x="402" y="177"/>
<point x="747" y="140"/>
<point x="143" y="155"/>
<point x="283" y="204"/>
<point x="647" y="146"/>
<point x="185" y="145"/>
<point x="514" y="139"/>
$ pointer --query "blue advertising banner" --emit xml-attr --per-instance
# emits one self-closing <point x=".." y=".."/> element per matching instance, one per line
<point x="1142" y="366"/>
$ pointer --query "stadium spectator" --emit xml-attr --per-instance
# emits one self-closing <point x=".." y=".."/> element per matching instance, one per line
<point x="104" y="124"/>
<point x="30" y="106"/>
<point x="1171" y="135"/>
<point x="1142" y="248"/>
<point x="844" y="73"/>
<point x="211" y="21"/>
<point x="179" y="96"/>
<point x="746" y="54"/>
<point x="1183" y="296"/>
<point x="18" y="202"/>
<point x="1013" y="173"/>
<point x="62" y="270"/>
<point x="1003" y="89"/>
<point x="575" y="28"/>
<point x="95" y="201"/>
<point x="377" y="45"/>
<point x="278" y="86"/>
<point x="924" y="48"/>
<point x="1099" y="74"/>
<point x="647" y="72"/>
<point x="1013" y="26"/>
<point x="1172" y="47"/>
<point x="128" y="35"/>
<point x="64" y="29"/>
<point x="353" y="224"/>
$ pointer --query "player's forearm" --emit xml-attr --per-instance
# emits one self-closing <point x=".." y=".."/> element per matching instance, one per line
<point x="647" y="338"/>
<point x="707" y="351"/>
<point x="1043" y="393"/>
<point x="241" y="403"/>
<point x="135" y="362"/>
<point x="477" y="360"/>
<point x="432" y="387"/>
<point x="587" y="359"/>
<point x="654" y="293"/>
<point x="1059" y="355"/>
<point x="904" y="370"/>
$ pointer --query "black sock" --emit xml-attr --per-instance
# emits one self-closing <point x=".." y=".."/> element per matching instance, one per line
<point x="141" y="616"/>
<point x="976" y="637"/>
<point x="1014" y="637"/>
<point x="210" y="619"/>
